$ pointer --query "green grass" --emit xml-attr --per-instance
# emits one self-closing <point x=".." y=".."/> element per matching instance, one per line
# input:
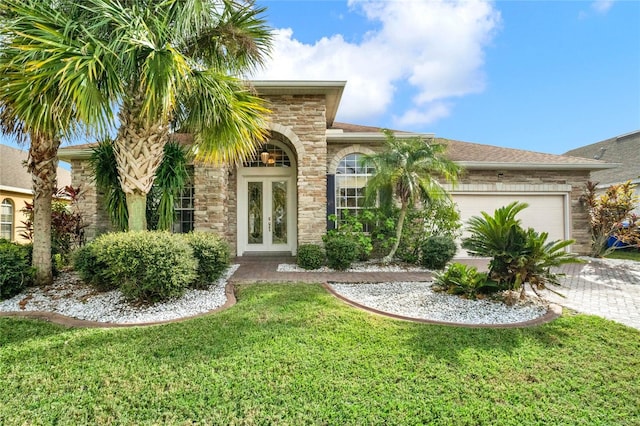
<point x="633" y="254"/>
<point x="292" y="354"/>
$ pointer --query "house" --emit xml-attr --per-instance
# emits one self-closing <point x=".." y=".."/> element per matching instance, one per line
<point x="624" y="150"/>
<point x="309" y="168"/>
<point x="16" y="190"/>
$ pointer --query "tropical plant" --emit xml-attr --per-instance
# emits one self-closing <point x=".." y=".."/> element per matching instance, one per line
<point x="67" y="223"/>
<point x="518" y="255"/>
<point x="464" y="280"/>
<point x="105" y="175"/>
<point x="409" y="168"/>
<point x="51" y="85"/>
<point x="608" y="213"/>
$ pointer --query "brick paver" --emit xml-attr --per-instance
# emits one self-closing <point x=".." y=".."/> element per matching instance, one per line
<point x="607" y="288"/>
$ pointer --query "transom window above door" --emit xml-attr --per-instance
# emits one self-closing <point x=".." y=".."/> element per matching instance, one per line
<point x="269" y="155"/>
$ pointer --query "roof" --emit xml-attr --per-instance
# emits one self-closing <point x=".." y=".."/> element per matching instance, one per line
<point x="13" y="172"/>
<point x="472" y="155"/>
<point x="623" y="149"/>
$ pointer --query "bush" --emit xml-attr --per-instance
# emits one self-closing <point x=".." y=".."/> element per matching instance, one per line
<point x="90" y="269"/>
<point x="15" y="268"/>
<point x="341" y="250"/>
<point x="352" y="227"/>
<point x="213" y="256"/>
<point x="464" y="280"/>
<point x="436" y="251"/>
<point x="310" y="256"/>
<point x="145" y="266"/>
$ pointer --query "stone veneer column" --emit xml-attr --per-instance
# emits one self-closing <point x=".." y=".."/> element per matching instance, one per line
<point x="210" y="198"/>
<point x="91" y="202"/>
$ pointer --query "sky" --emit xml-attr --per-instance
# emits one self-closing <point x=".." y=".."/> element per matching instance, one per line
<point x="546" y="76"/>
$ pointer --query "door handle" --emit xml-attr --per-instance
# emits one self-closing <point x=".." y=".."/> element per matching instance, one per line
<point x="269" y="224"/>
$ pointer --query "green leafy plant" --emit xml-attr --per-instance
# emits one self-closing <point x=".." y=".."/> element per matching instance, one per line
<point x="342" y="250"/>
<point x="310" y="256"/>
<point x="212" y="253"/>
<point x="15" y="270"/>
<point x="518" y="255"/>
<point x="146" y="266"/>
<point x="105" y="174"/>
<point x="352" y="227"/>
<point x="464" y="280"/>
<point x="440" y="217"/>
<point x="436" y="251"/>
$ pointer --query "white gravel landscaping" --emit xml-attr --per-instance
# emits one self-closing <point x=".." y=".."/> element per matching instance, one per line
<point x="356" y="267"/>
<point x="418" y="300"/>
<point x="70" y="297"/>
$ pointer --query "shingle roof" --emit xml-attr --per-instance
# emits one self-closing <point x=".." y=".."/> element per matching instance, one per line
<point x="475" y="154"/>
<point x="13" y="172"/>
<point x="623" y="149"/>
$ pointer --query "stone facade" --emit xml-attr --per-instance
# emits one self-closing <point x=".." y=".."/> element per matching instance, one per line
<point x="91" y="202"/>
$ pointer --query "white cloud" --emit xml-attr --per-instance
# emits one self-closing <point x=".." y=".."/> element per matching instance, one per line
<point x="602" y="6"/>
<point x="436" y="46"/>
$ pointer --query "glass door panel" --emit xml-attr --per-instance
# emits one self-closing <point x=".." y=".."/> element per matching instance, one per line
<point x="255" y="212"/>
<point x="279" y="212"/>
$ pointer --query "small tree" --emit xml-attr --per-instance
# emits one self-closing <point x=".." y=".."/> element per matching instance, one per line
<point x="410" y="169"/>
<point x="608" y="212"/>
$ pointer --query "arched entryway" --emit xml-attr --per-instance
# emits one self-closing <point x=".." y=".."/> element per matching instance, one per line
<point x="267" y="201"/>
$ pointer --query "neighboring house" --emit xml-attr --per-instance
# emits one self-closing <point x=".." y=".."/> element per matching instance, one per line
<point x="309" y="168"/>
<point x="623" y="149"/>
<point x="16" y="190"/>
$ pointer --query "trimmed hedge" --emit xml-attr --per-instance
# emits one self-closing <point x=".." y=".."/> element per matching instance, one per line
<point x="310" y="256"/>
<point x="341" y="250"/>
<point x="213" y="255"/>
<point x="145" y="266"/>
<point x="16" y="272"/>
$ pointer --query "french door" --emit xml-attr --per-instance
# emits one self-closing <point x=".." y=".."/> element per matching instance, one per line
<point x="266" y="214"/>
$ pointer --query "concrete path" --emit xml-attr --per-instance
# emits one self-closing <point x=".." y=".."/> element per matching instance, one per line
<point x="607" y="288"/>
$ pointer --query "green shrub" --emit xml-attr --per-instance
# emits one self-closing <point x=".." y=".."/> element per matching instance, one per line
<point x="15" y="268"/>
<point x="90" y="269"/>
<point x="146" y="266"/>
<point x="213" y="255"/>
<point x="464" y="280"/>
<point x="310" y="256"/>
<point x="352" y="227"/>
<point x="436" y="251"/>
<point x="341" y="250"/>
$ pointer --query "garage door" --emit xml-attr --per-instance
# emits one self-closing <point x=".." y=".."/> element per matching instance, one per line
<point x="546" y="212"/>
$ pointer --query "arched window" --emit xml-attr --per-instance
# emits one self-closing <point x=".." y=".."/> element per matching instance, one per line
<point x="270" y="155"/>
<point x="351" y="180"/>
<point x="6" y="219"/>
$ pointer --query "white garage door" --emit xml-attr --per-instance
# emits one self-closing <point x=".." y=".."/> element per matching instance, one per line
<point x="546" y="212"/>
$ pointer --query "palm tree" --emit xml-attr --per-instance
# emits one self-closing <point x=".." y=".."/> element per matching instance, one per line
<point x="409" y="168"/>
<point x="170" y="65"/>
<point x="176" y="63"/>
<point x="45" y="95"/>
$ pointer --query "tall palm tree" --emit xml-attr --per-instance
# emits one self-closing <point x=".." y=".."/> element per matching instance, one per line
<point x="46" y="94"/>
<point x="409" y="168"/>
<point x="179" y="64"/>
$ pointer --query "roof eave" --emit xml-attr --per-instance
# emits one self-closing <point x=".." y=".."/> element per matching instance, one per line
<point x="71" y="153"/>
<point x="372" y="137"/>
<point x="487" y="165"/>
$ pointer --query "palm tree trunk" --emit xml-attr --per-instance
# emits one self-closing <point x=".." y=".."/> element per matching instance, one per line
<point x="138" y="149"/>
<point x="43" y="166"/>
<point x="403" y="213"/>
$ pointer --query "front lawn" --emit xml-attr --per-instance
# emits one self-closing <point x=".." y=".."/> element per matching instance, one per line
<point x="292" y="354"/>
<point x="625" y="254"/>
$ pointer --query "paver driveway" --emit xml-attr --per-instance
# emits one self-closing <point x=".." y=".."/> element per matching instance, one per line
<point x="608" y="288"/>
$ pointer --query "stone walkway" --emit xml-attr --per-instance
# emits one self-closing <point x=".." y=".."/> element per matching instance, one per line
<point x="607" y="288"/>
